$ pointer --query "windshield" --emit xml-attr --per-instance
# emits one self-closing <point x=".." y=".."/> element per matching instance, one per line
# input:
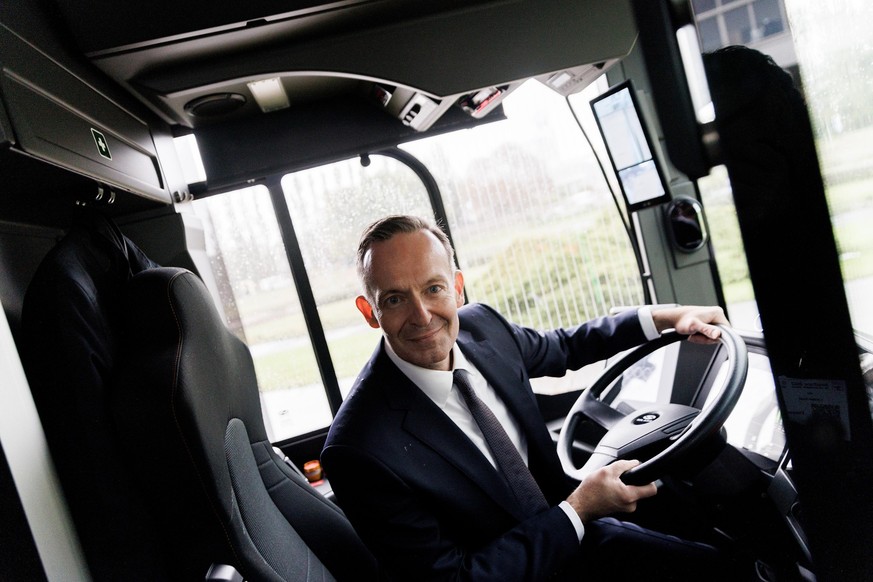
<point x="533" y="221"/>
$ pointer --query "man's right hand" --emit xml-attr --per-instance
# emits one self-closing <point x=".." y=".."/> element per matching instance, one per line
<point x="603" y="492"/>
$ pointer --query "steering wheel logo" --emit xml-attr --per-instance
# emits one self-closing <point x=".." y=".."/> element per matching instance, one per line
<point x="646" y="418"/>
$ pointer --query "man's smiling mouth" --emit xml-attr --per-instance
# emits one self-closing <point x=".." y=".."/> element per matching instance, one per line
<point x="426" y="336"/>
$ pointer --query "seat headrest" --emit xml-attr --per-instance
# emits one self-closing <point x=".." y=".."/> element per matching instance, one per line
<point x="173" y="313"/>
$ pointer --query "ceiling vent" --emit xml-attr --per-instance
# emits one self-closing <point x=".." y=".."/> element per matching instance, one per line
<point x="215" y="105"/>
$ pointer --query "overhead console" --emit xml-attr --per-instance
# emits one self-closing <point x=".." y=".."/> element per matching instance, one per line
<point x="55" y="116"/>
<point x="444" y="51"/>
<point x="315" y="133"/>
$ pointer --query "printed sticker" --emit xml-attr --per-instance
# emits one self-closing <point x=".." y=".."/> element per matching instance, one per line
<point x="806" y="397"/>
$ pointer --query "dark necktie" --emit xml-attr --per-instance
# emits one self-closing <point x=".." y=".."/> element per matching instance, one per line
<point x="520" y="480"/>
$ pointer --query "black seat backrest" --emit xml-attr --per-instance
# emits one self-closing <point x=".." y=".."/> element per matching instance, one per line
<point x="186" y="398"/>
<point x="68" y="344"/>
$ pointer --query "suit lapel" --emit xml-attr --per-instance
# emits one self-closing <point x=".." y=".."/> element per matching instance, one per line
<point x="443" y="436"/>
<point x="433" y="428"/>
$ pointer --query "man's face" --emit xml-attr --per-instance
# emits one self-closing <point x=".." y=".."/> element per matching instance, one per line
<point x="415" y="297"/>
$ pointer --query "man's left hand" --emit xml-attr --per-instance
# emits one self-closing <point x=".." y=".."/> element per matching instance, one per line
<point x="699" y="323"/>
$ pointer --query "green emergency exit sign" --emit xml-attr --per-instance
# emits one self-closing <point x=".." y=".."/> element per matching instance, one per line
<point x="102" y="145"/>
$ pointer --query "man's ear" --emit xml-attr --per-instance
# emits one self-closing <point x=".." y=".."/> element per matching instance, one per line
<point x="367" y="311"/>
<point x="459" y="288"/>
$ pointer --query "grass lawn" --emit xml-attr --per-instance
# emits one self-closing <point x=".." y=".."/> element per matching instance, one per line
<point x="296" y="366"/>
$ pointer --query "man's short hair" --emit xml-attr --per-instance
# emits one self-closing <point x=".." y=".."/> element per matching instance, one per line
<point x="385" y="228"/>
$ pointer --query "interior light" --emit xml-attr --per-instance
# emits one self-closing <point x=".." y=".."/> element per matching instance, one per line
<point x="558" y="80"/>
<point x="189" y="158"/>
<point x="270" y="94"/>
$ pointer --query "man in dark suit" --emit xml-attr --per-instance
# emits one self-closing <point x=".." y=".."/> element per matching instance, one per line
<point x="417" y="475"/>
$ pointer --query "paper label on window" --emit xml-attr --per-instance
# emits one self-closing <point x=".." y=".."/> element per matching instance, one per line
<point x="806" y="397"/>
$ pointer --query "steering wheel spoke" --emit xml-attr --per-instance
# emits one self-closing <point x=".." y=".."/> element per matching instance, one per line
<point x="602" y="414"/>
<point x="661" y="435"/>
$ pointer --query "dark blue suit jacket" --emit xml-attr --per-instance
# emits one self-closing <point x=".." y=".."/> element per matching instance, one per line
<point x="422" y="496"/>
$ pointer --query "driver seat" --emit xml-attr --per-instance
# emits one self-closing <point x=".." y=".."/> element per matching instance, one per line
<point x="186" y="401"/>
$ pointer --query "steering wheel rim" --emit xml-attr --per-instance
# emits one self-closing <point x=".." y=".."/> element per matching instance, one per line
<point x="687" y="427"/>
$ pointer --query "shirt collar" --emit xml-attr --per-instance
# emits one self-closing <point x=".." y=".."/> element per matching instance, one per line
<point x="436" y="384"/>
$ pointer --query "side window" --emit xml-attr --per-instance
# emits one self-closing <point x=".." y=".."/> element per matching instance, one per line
<point x="329" y="207"/>
<point x="262" y="308"/>
<point x="726" y="22"/>
<point x="834" y="59"/>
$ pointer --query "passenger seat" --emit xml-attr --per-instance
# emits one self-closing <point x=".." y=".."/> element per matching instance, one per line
<point x="186" y="399"/>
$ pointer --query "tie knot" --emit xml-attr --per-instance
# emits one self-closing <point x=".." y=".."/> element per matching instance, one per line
<point x="460" y="379"/>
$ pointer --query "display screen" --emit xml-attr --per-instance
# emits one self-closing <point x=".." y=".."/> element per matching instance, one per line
<point x="629" y="147"/>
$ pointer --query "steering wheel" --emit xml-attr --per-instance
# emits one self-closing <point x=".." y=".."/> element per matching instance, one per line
<point x="681" y="429"/>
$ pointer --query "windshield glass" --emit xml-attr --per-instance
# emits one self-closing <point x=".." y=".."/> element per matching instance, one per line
<point x="534" y="224"/>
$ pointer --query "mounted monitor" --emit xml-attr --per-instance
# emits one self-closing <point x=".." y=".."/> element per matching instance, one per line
<point x="629" y="147"/>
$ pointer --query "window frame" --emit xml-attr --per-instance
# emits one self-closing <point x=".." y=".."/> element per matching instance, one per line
<point x="305" y="294"/>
